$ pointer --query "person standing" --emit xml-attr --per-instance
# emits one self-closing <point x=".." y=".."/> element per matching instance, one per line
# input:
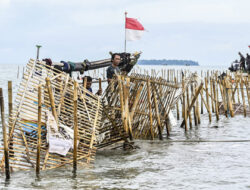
<point x="248" y="62"/>
<point x="114" y="69"/>
<point x="242" y="61"/>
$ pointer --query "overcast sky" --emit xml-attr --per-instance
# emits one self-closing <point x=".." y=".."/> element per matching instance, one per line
<point x="208" y="31"/>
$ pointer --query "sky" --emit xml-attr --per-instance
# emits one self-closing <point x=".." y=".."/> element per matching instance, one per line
<point x="211" y="32"/>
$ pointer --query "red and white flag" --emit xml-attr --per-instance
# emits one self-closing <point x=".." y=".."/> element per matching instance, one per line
<point x="134" y="29"/>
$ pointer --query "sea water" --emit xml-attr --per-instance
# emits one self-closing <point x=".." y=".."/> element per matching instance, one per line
<point x="157" y="164"/>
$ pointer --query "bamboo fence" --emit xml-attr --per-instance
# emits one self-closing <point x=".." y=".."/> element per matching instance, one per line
<point x="72" y="105"/>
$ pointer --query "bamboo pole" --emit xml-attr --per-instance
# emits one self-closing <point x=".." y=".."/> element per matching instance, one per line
<point x="189" y="114"/>
<point x="184" y="106"/>
<point x="237" y="87"/>
<point x="222" y="91"/>
<point x="211" y="92"/>
<point x="217" y="96"/>
<point x="10" y="97"/>
<point x="207" y="98"/>
<point x="201" y="94"/>
<point x="216" y="103"/>
<point x="197" y="108"/>
<point x="229" y="98"/>
<point x="10" y="113"/>
<point x="248" y="90"/>
<point x="177" y="103"/>
<point x="183" y="90"/>
<point x="75" y="128"/>
<point x="51" y="97"/>
<point x="100" y="85"/>
<point x="122" y="102"/>
<point x="194" y="107"/>
<point x="6" y="152"/>
<point x="39" y="130"/>
<point x="157" y="115"/>
<point x="126" y="95"/>
<point x="243" y="97"/>
<point x="150" y="109"/>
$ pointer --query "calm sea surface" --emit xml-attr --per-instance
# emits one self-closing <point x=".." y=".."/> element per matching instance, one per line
<point x="157" y="164"/>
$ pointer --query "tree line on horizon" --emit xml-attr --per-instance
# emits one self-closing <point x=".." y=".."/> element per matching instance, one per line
<point x="167" y="62"/>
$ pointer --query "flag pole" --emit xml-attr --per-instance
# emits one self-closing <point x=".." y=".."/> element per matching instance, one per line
<point x="125" y="32"/>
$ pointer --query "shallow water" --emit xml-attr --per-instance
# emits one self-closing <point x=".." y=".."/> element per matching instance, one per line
<point x="157" y="164"/>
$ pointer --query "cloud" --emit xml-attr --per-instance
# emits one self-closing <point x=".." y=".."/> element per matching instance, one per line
<point x="203" y="30"/>
<point x="95" y="12"/>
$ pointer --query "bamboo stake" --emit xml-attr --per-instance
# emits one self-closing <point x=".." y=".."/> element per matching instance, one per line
<point x="183" y="98"/>
<point x="189" y="114"/>
<point x="201" y="94"/>
<point x="184" y="106"/>
<point x="194" y="107"/>
<point x="10" y="98"/>
<point x="94" y="130"/>
<point x="100" y="85"/>
<point x="217" y="94"/>
<point x="10" y="112"/>
<point x="85" y="82"/>
<point x="126" y="95"/>
<point x="51" y="97"/>
<point x="198" y="109"/>
<point x="157" y="115"/>
<point x="243" y="97"/>
<point x="248" y="89"/>
<point x="75" y="128"/>
<point x="211" y="92"/>
<point x="6" y="152"/>
<point x="216" y="103"/>
<point x="207" y="98"/>
<point x="150" y="109"/>
<point x="223" y="97"/>
<point x="238" y="93"/>
<point x="177" y="103"/>
<point x="229" y="98"/>
<point x="39" y="130"/>
<point x="122" y="103"/>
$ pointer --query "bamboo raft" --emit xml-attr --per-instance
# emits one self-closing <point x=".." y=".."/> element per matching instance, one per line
<point x="44" y="89"/>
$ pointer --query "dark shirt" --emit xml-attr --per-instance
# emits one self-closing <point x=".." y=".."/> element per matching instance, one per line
<point x="242" y="62"/>
<point x="248" y="63"/>
<point x="111" y="71"/>
<point x="90" y="89"/>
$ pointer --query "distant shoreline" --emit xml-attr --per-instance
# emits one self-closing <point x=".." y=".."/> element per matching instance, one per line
<point x="168" y="62"/>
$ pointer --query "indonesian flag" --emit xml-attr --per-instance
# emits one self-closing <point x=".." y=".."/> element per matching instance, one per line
<point x="134" y="29"/>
